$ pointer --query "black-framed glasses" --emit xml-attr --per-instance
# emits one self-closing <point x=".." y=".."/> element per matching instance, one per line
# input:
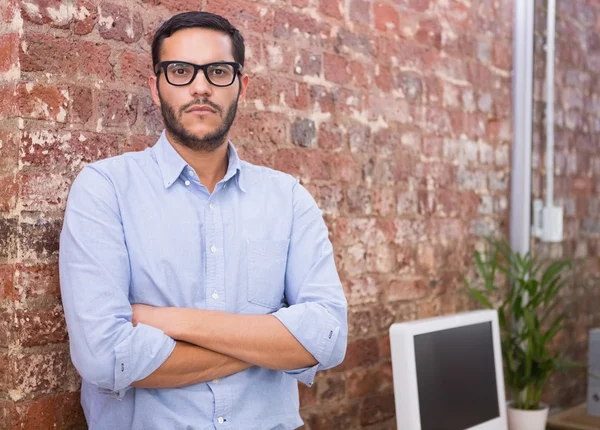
<point x="181" y="73"/>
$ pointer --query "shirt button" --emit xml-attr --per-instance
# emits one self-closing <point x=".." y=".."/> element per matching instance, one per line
<point x="216" y="381"/>
<point x="191" y="172"/>
<point x="211" y="206"/>
<point x="220" y="420"/>
<point x="187" y="183"/>
<point x="215" y="296"/>
<point x="213" y="249"/>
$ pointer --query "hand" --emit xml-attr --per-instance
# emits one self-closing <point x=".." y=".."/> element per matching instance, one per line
<point x="153" y="316"/>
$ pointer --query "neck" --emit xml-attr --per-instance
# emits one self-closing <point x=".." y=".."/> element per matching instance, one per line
<point x="210" y="166"/>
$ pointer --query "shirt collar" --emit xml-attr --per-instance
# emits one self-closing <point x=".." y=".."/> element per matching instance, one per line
<point x="171" y="164"/>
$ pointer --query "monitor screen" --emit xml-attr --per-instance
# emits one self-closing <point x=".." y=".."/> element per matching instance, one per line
<point x="456" y="377"/>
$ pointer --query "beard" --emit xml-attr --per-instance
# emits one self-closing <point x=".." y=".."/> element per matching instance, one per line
<point x="209" y="142"/>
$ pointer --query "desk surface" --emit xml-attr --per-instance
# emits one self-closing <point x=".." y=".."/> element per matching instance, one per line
<point x="575" y="418"/>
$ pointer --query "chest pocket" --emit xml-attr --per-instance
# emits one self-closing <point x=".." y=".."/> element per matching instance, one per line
<point x="267" y="261"/>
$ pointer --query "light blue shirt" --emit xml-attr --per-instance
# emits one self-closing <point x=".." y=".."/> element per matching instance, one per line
<point x="141" y="228"/>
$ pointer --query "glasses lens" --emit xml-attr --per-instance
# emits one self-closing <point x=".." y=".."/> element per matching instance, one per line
<point x="221" y="74"/>
<point x="179" y="73"/>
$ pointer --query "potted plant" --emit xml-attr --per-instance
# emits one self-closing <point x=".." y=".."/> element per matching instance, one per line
<point x="526" y="298"/>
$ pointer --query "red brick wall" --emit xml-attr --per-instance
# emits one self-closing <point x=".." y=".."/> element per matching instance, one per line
<point x="577" y="172"/>
<point x="396" y="114"/>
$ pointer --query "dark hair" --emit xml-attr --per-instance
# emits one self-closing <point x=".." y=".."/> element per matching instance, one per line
<point x="197" y="20"/>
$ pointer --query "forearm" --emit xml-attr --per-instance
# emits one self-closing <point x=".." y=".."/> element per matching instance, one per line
<point x="258" y="339"/>
<point x="190" y="364"/>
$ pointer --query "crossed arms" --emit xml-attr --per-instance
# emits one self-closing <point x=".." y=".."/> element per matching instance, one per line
<point x="116" y="346"/>
<point x="214" y="344"/>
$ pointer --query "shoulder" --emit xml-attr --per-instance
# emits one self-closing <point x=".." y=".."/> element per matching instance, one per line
<point x="266" y="177"/>
<point x="122" y="163"/>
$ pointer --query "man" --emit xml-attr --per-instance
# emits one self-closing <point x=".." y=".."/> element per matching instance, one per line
<point x="197" y="288"/>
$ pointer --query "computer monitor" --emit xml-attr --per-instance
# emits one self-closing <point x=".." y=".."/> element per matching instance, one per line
<point x="448" y="374"/>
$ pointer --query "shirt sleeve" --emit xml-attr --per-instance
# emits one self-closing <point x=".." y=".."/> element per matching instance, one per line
<point x="317" y="315"/>
<point x="107" y="350"/>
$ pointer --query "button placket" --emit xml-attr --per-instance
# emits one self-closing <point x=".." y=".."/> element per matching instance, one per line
<point x="215" y="287"/>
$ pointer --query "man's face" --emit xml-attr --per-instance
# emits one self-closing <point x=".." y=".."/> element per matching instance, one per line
<point x="189" y="126"/>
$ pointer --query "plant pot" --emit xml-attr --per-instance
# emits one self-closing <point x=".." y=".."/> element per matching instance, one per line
<point x="521" y="419"/>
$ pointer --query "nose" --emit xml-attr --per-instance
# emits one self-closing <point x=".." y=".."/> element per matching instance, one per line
<point x="200" y="86"/>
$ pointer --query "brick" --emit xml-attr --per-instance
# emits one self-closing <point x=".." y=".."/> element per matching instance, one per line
<point x="4" y="374"/>
<point x="260" y="91"/>
<point x="361" y="75"/>
<point x="360" y="12"/>
<point x="39" y="239"/>
<point x="44" y="192"/>
<point x="10" y="138"/>
<point x="260" y="127"/>
<point x="353" y="263"/>
<point x="7" y="283"/>
<point x="136" y="67"/>
<point x="430" y="33"/>
<point x="308" y="395"/>
<point x="9" y="105"/>
<point x="360" y="353"/>
<point x="8" y="10"/>
<point x="331" y="137"/>
<point x="337" y="416"/>
<point x="298" y="28"/>
<point x="10" y="191"/>
<point x="331" y="388"/>
<point x="70" y="150"/>
<point x="308" y="63"/>
<point x="376" y="409"/>
<point x="364" y="290"/>
<point x="331" y="8"/>
<point x="45" y="327"/>
<point x="82" y="103"/>
<point x="44" y="102"/>
<point x="307" y="164"/>
<point x="149" y="118"/>
<point x="406" y="289"/>
<point x="139" y="143"/>
<point x="47" y="12"/>
<point x="38" y="372"/>
<point x="361" y="321"/>
<point x="384" y="201"/>
<point x="348" y="42"/>
<point x="61" y="410"/>
<point x="262" y="154"/>
<point x="385" y="17"/>
<point x="38" y="281"/>
<point x="244" y="14"/>
<point x="116" y="108"/>
<point x="290" y="93"/>
<point x="417" y="5"/>
<point x="86" y="17"/>
<point x="323" y="98"/>
<point x="303" y="133"/>
<point x="9" y="56"/>
<point x="384" y="79"/>
<point x="336" y="69"/>
<point x="8" y="231"/>
<point x="80" y="58"/>
<point x="118" y="23"/>
<point x="279" y="56"/>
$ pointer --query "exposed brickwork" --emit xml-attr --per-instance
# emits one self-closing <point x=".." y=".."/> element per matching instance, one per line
<point x="576" y="170"/>
<point x="396" y="115"/>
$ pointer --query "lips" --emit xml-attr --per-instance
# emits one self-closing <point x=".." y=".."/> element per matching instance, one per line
<point x="204" y="109"/>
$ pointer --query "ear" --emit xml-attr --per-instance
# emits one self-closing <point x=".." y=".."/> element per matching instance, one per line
<point x="152" y="83"/>
<point x="245" y="80"/>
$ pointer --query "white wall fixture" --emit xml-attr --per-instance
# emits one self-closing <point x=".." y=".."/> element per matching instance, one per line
<point x="520" y="194"/>
<point x="548" y="218"/>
